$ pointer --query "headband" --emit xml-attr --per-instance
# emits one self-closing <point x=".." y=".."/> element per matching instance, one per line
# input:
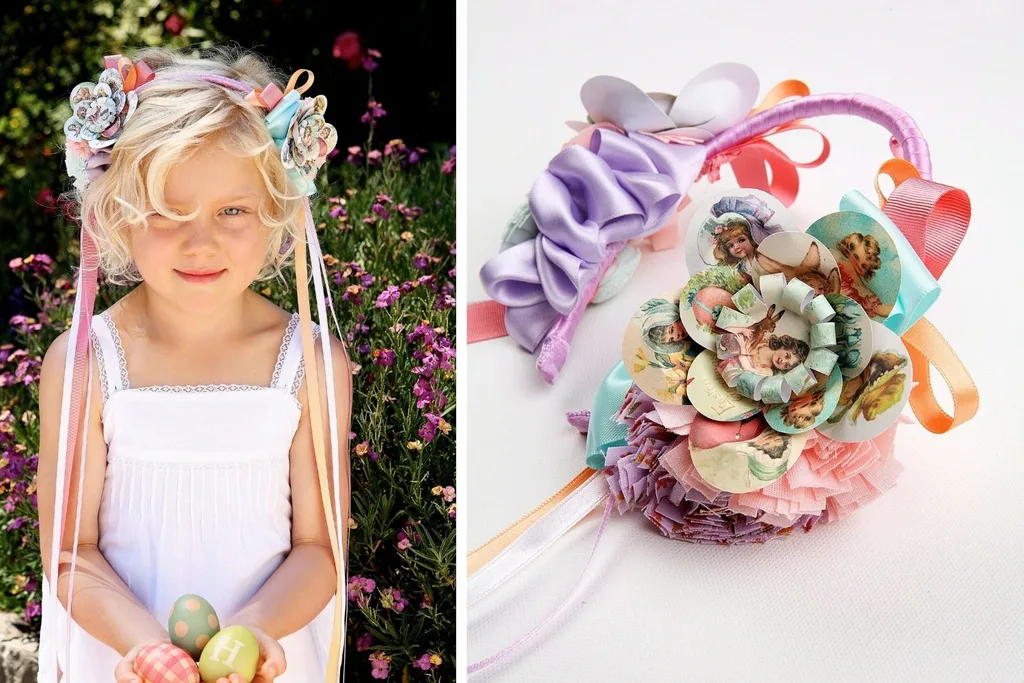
<point x="99" y="113"/>
<point x="762" y="393"/>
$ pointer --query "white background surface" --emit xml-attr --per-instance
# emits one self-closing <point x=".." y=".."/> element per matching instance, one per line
<point x="925" y="584"/>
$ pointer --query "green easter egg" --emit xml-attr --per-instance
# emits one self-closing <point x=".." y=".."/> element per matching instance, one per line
<point x="233" y="650"/>
<point x="192" y="623"/>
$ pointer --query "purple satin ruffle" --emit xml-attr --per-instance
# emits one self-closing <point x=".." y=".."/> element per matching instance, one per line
<point x="618" y="189"/>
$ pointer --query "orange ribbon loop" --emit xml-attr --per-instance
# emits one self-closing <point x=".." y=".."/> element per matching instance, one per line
<point x="292" y="83"/>
<point x="782" y="91"/>
<point x="928" y="348"/>
<point x="897" y="170"/>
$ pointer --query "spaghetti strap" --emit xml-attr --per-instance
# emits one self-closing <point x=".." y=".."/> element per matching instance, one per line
<point x="290" y="367"/>
<point x="109" y="354"/>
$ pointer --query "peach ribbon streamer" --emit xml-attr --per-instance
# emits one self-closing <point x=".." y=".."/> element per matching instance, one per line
<point x="334" y="532"/>
<point x="927" y="348"/>
<point x="486" y="552"/>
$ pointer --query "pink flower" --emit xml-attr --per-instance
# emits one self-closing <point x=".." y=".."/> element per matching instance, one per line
<point x="174" y="24"/>
<point x="423" y="662"/>
<point x="374" y="156"/>
<point x="348" y="48"/>
<point x="48" y="200"/>
<point x="363" y="642"/>
<point x="448" y="167"/>
<point x="449" y="493"/>
<point x="381" y="664"/>
<point x="391" y="598"/>
<point x="404" y="543"/>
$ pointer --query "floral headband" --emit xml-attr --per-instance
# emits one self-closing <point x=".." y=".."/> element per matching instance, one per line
<point x="761" y="394"/>
<point x="304" y="138"/>
<point x="101" y="109"/>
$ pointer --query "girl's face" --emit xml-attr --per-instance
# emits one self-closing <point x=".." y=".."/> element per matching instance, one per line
<point x="673" y="333"/>
<point x="215" y="256"/>
<point x="740" y="247"/>
<point x="784" y="359"/>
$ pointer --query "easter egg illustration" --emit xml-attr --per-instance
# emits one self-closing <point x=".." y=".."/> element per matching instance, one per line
<point x="232" y="650"/>
<point x="165" y="663"/>
<point x="192" y="623"/>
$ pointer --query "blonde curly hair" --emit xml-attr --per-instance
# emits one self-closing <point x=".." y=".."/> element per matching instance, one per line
<point x="174" y="120"/>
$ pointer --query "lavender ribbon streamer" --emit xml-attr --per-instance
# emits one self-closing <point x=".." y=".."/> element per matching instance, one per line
<point x="621" y="187"/>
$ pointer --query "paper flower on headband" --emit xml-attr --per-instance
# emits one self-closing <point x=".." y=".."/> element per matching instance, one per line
<point x="98" y="114"/>
<point x="301" y="133"/>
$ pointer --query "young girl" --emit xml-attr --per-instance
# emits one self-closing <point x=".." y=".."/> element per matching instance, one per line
<point x="734" y="246"/>
<point x="202" y="465"/>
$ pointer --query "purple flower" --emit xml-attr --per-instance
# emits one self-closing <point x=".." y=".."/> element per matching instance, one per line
<point x="16" y="523"/>
<point x="32" y="610"/>
<point x="423" y="662"/>
<point x="428" y="431"/>
<point x="387" y="297"/>
<point x="369" y="64"/>
<point x="364" y="642"/>
<point x="338" y="210"/>
<point x="420" y="262"/>
<point x="403" y="541"/>
<point x="379" y="209"/>
<point x="384" y="357"/>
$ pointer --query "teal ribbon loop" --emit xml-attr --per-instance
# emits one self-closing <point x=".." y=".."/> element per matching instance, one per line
<point x="603" y="431"/>
<point x="918" y="289"/>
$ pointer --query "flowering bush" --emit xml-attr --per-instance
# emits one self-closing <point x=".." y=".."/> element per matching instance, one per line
<point x="386" y="224"/>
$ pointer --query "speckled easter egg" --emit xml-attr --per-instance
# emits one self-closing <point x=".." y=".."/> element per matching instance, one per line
<point x="233" y="650"/>
<point x="165" y="663"/>
<point x="192" y="623"/>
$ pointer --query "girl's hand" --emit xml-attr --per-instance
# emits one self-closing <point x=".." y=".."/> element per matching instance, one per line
<point x="271" y="663"/>
<point x="124" y="672"/>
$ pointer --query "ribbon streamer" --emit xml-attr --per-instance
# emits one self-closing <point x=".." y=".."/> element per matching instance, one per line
<point x="928" y="348"/>
<point x="495" y="562"/>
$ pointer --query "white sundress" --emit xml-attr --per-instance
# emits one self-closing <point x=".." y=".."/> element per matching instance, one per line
<point x="196" y="499"/>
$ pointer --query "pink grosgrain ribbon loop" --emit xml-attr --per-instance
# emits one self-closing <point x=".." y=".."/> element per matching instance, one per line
<point x="933" y="217"/>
